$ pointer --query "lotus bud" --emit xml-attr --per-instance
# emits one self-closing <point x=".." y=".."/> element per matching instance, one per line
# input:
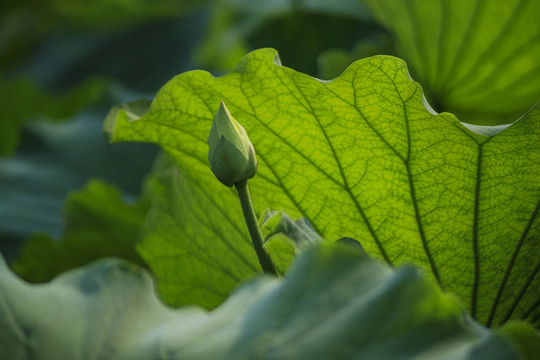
<point x="231" y="154"/>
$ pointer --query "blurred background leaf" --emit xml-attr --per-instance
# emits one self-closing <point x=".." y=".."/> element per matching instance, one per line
<point x="24" y="101"/>
<point x="62" y="66"/>
<point x="479" y="60"/>
<point x="300" y="30"/>
<point x="57" y="158"/>
<point x="98" y="223"/>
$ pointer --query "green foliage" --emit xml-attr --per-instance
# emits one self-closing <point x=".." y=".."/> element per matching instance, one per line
<point x="333" y="61"/>
<point x="362" y="157"/>
<point x="24" y="23"/>
<point x="284" y="238"/>
<point x="194" y="239"/>
<point x="300" y="30"/>
<point x="25" y="101"/>
<point x="334" y="304"/>
<point x="98" y="223"/>
<point x="477" y="59"/>
<point x="120" y="13"/>
<point x="57" y="158"/>
<point x="230" y="153"/>
<point x="197" y="244"/>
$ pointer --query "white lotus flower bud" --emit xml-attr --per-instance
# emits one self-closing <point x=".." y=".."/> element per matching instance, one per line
<point x="231" y="154"/>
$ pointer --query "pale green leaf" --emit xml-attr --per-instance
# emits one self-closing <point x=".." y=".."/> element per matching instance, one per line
<point x="477" y="59"/>
<point x="278" y="222"/>
<point x="362" y="157"/>
<point x="334" y="304"/>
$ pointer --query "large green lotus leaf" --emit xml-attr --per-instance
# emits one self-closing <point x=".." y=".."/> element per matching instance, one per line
<point x="362" y="157"/>
<point x="477" y="59"/>
<point x="98" y="223"/>
<point x="334" y="304"/>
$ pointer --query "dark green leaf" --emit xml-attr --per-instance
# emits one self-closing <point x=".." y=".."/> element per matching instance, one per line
<point x="98" y="223"/>
<point x="55" y="159"/>
<point x="23" y="100"/>
<point x="300" y="30"/>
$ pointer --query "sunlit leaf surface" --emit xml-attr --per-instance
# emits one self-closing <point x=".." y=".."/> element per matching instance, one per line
<point x="362" y="157"/>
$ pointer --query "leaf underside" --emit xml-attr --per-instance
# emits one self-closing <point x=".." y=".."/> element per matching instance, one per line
<point x="477" y="59"/>
<point x="362" y="157"/>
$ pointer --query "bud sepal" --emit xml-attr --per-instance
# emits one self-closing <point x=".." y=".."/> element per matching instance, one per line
<point x="231" y="154"/>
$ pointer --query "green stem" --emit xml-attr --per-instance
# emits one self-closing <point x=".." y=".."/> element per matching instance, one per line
<point x="253" y="227"/>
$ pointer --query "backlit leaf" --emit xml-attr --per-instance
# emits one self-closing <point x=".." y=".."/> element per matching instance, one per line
<point x="362" y="157"/>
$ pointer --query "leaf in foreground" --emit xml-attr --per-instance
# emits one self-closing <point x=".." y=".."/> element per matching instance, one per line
<point x="98" y="223"/>
<point x="477" y="59"/>
<point x="362" y="157"/>
<point x="334" y="304"/>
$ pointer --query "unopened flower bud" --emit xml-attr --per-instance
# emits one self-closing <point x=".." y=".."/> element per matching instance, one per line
<point x="231" y="154"/>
